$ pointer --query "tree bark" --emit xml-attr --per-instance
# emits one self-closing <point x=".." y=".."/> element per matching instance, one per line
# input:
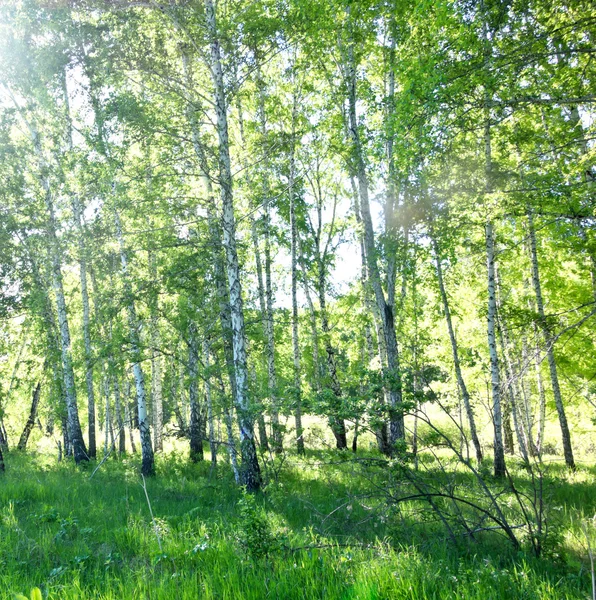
<point x="269" y="324"/>
<point x="250" y="475"/>
<point x="264" y="320"/>
<point x="215" y="235"/>
<point x="314" y="334"/>
<point x="22" y="445"/>
<point x="107" y="416"/>
<point x="455" y="352"/>
<point x="77" y="214"/>
<point x="549" y="343"/>
<point x="231" y="445"/>
<point x="514" y="396"/>
<point x="336" y="422"/>
<point x="499" y="450"/>
<point x="209" y="400"/>
<point x="49" y="331"/>
<point x="381" y="433"/>
<point x="196" y="442"/>
<point x="148" y="463"/>
<point x="294" y="273"/>
<point x="541" y="396"/>
<point x="156" y="362"/>
<point x="76" y="209"/>
<point x="118" y="415"/>
<point x="73" y="424"/>
<point x="393" y="372"/>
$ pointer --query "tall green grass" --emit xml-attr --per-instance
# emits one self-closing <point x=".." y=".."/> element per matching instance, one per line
<point x="80" y="537"/>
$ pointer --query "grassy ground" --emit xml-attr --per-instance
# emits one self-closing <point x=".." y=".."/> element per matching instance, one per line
<point x="318" y="531"/>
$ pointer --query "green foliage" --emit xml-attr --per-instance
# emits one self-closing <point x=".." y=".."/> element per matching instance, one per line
<point x="339" y="540"/>
<point x="34" y="595"/>
<point x="255" y="535"/>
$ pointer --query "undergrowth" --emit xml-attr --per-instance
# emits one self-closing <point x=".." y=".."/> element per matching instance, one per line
<point x="317" y="531"/>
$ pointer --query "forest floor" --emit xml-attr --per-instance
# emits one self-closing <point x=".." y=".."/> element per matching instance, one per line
<point x="324" y="527"/>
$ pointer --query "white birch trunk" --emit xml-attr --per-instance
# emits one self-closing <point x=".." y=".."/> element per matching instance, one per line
<point x="74" y="432"/>
<point x="499" y="450"/>
<point x="74" y="426"/>
<point x="196" y="443"/>
<point x="231" y="445"/>
<point x="251" y="476"/>
<point x="77" y="214"/>
<point x="549" y="343"/>
<point x="76" y="209"/>
<point x="225" y="312"/>
<point x="294" y="274"/>
<point x="269" y="324"/>
<point x="209" y="400"/>
<point x="118" y="415"/>
<point x="514" y="395"/>
<point x="381" y="433"/>
<point x="148" y="465"/>
<point x="541" y="396"/>
<point x="393" y="371"/>
<point x="107" y="413"/>
<point x="455" y="352"/>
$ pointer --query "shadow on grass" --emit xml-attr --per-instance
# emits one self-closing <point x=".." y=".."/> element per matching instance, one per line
<point x="61" y="528"/>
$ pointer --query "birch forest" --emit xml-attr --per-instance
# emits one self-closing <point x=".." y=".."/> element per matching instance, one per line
<point x="297" y="299"/>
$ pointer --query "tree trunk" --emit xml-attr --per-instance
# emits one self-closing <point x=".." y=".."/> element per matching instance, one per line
<point x="294" y="272"/>
<point x="231" y="445"/>
<point x="148" y="464"/>
<point x="265" y="300"/>
<point x="508" y="443"/>
<point x="264" y="320"/>
<point x="499" y="450"/>
<point x="314" y="334"/>
<point x="77" y="214"/>
<point x="129" y="420"/>
<point x="209" y="400"/>
<point x="514" y="397"/>
<point x="277" y="434"/>
<point x="215" y="235"/>
<point x="3" y="436"/>
<point x="261" y="425"/>
<point x="337" y="424"/>
<point x="196" y="443"/>
<point x="455" y="352"/>
<point x="251" y="476"/>
<point x="541" y="396"/>
<point x="22" y="445"/>
<point x="156" y="366"/>
<point x="107" y="417"/>
<point x="76" y="209"/>
<point x="393" y="372"/>
<point x="74" y="426"/>
<point x="49" y="330"/>
<point x="381" y="433"/>
<point x="119" y="419"/>
<point x="549" y="343"/>
<point x="528" y="413"/>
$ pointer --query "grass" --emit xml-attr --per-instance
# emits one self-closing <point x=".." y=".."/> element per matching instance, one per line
<point x="318" y="531"/>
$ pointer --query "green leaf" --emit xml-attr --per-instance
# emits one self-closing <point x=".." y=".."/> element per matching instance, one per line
<point x="36" y="594"/>
<point x="20" y="597"/>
